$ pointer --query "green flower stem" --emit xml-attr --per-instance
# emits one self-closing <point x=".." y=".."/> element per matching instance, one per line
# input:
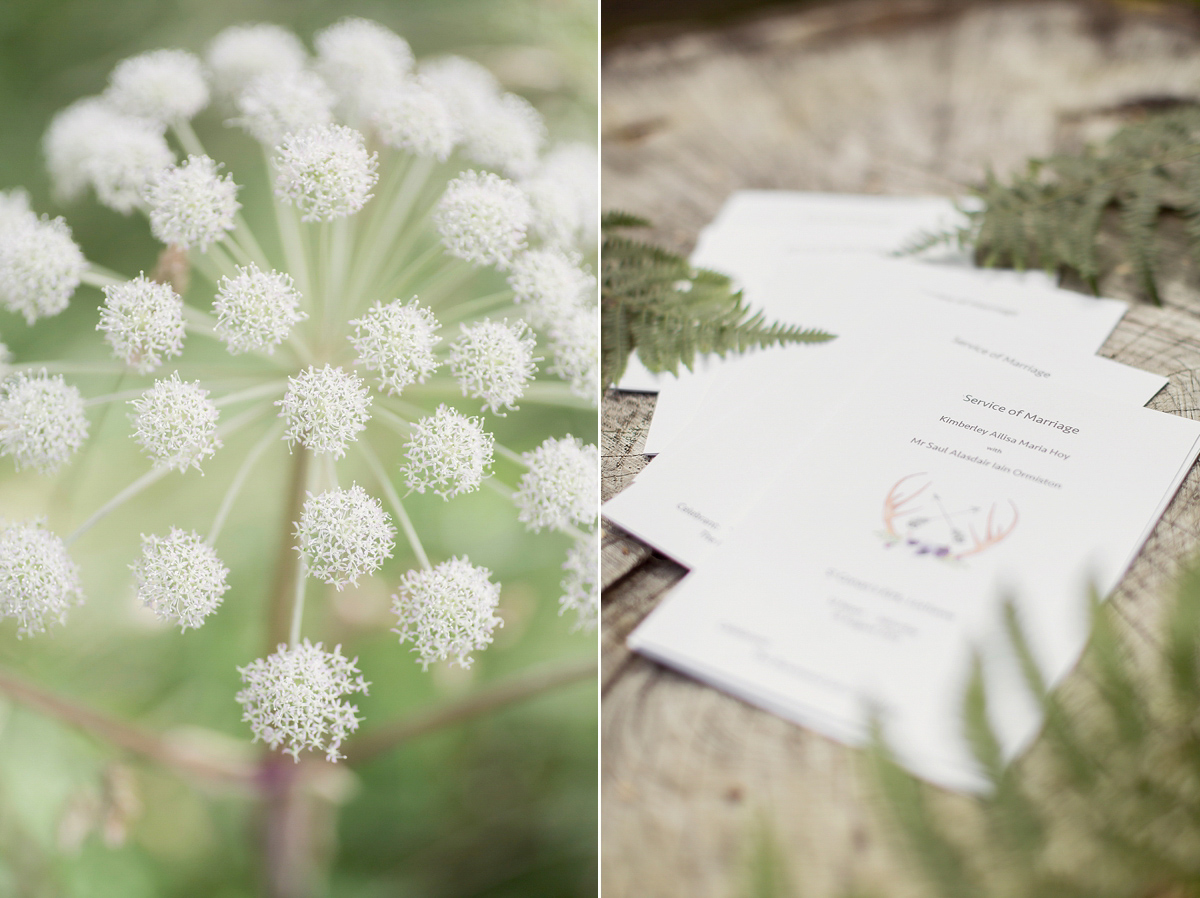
<point x="512" y="456"/>
<point x="300" y="586"/>
<point x="273" y="435"/>
<point x="207" y="269"/>
<point x="463" y="310"/>
<point x="97" y="368"/>
<point x="95" y="276"/>
<point x="389" y="491"/>
<point x="446" y="282"/>
<point x="223" y="263"/>
<point x="152" y="477"/>
<point x="144" y="482"/>
<point x="291" y="239"/>
<point x="187" y="138"/>
<point x="526" y="685"/>
<point x="152" y="746"/>
<point x="298" y="602"/>
<point x="259" y="391"/>
<point x="235" y="250"/>
<point x="113" y="397"/>
<point x="280" y="607"/>
<point x="410" y="270"/>
<point x="331" y="471"/>
<point x="548" y="393"/>
<point x="243" y="235"/>
<point x="381" y="244"/>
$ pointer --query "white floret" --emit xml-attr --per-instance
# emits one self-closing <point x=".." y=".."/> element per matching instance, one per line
<point x="354" y="55"/>
<point x="277" y="104"/>
<point x="166" y="86"/>
<point x="464" y="86"/>
<point x="91" y="144"/>
<point x="326" y="172"/>
<point x="493" y="361"/>
<point x="343" y="535"/>
<point x="179" y="577"/>
<point x="191" y="205"/>
<point x="409" y="116"/>
<point x="14" y="208"/>
<point x="397" y="342"/>
<point x="448" y="453"/>
<point x="293" y="698"/>
<point x="561" y="487"/>
<point x="142" y="321"/>
<point x="506" y="134"/>
<point x="38" y="579"/>
<point x="324" y="409"/>
<point x="482" y="218"/>
<point x="550" y="285"/>
<point x="42" y="420"/>
<point x="256" y="309"/>
<point x="176" y="423"/>
<point x="575" y="347"/>
<point x="40" y="264"/>
<point x="565" y="193"/>
<point x="241" y="53"/>
<point x="581" y="581"/>
<point x="447" y="612"/>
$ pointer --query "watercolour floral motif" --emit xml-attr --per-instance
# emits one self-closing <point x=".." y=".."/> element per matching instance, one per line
<point x="918" y="518"/>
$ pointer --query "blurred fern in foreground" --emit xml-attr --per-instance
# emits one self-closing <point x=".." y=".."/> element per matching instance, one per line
<point x="1108" y="801"/>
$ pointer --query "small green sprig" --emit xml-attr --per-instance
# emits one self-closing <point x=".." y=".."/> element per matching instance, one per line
<point x="654" y="301"/>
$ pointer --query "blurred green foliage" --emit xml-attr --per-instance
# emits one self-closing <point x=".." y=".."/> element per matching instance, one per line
<point x="504" y="805"/>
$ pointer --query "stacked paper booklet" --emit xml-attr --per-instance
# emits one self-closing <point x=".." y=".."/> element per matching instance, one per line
<point x="855" y="513"/>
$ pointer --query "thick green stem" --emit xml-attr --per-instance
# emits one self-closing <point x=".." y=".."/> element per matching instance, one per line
<point x="532" y="683"/>
<point x="283" y="588"/>
<point x="189" y="762"/>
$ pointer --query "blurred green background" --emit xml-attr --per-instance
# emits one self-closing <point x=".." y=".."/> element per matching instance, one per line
<point x="504" y="805"/>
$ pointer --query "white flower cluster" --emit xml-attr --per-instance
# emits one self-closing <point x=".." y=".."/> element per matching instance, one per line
<point x="92" y="144"/>
<point x="493" y="361"/>
<point x="325" y="171"/>
<point x="256" y="309"/>
<point x="344" y="535"/>
<point x="467" y="183"/>
<point x="38" y="579"/>
<point x="483" y="218"/>
<point x="581" y="583"/>
<point x="179" y="577"/>
<point x="397" y="341"/>
<point x="293" y="698"/>
<point x="40" y="263"/>
<point x="191" y="205"/>
<point x="561" y="485"/>
<point x="142" y="321"/>
<point x="42" y="422"/>
<point x="325" y="408"/>
<point x="448" y="453"/>
<point x="176" y="423"/>
<point x="447" y="612"/>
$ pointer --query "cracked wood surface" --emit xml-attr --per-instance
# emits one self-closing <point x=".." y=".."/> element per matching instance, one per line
<point x="915" y="96"/>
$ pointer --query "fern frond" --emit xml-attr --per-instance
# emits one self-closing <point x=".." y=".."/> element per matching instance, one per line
<point x="1051" y="213"/>
<point x="653" y="301"/>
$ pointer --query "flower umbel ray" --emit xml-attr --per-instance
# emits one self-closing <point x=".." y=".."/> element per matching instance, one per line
<point x="430" y="275"/>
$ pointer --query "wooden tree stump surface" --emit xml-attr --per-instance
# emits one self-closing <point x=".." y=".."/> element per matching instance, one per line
<point x="915" y="96"/>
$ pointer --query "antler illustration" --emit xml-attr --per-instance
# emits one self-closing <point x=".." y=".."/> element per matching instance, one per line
<point x="991" y="536"/>
<point x="895" y="503"/>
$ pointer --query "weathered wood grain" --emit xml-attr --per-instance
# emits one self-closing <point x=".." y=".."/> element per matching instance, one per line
<point x="902" y="97"/>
